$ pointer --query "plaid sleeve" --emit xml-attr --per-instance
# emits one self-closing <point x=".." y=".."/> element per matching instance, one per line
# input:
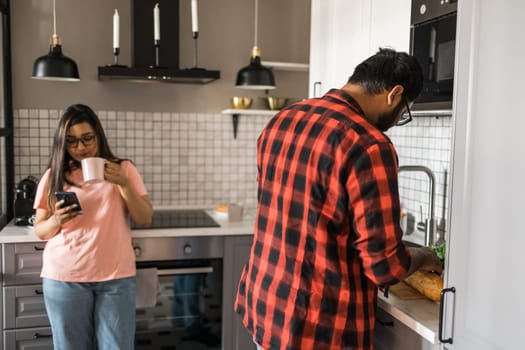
<point x="374" y="204"/>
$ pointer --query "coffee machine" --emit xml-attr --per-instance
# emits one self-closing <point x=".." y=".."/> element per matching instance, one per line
<point x="24" y="198"/>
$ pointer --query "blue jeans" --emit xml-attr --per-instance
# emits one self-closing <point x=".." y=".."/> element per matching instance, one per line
<point x="87" y="316"/>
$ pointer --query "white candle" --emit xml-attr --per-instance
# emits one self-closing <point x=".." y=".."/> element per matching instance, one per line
<point x="116" y="33"/>
<point x="194" y="16"/>
<point x="156" y="23"/>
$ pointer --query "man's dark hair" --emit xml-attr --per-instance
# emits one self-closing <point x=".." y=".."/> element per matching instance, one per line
<point x="386" y="69"/>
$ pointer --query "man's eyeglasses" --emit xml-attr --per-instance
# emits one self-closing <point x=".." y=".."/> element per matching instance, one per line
<point x="406" y="117"/>
<point x="86" y="139"/>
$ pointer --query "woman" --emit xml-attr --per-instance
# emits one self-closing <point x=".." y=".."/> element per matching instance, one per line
<point x="88" y="262"/>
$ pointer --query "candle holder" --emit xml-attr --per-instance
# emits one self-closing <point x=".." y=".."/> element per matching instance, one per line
<point x="116" y="52"/>
<point x="195" y="52"/>
<point x="157" y="60"/>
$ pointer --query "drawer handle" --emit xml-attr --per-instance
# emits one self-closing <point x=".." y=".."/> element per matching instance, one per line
<point x="38" y="335"/>
<point x="39" y="292"/>
<point x="37" y="248"/>
<point x="185" y="271"/>
<point x="385" y="323"/>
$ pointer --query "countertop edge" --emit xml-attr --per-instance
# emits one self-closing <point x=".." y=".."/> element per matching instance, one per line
<point x="422" y="315"/>
<point x="12" y="233"/>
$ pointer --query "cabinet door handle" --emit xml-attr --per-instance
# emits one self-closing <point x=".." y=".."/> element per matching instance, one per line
<point x="441" y="308"/>
<point x="38" y="335"/>
<point x="317" y="89"/>
<point x="37" y="248"/>
<point x="185" y="271"/>
<point x="385" y="323"/>
<point x="39" y="292"/>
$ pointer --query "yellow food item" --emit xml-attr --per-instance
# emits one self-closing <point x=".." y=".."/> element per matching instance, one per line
<point x="223" y="208"/>
<point x="427" y="283"/>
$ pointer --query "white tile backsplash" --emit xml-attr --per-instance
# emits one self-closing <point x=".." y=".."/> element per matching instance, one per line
<point x="184" y="158"/>
<point x="193" y="159"/>
<point x="425" y="141"/>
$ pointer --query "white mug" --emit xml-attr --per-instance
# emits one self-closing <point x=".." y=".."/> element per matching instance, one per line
<point x="235" y="212"/>
<point x="93" y="169"/>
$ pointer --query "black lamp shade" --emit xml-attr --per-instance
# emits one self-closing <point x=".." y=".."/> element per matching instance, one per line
<point x="255" y="76"/>
<point x="55" y="66"/>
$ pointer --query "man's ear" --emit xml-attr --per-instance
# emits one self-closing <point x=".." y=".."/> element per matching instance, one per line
<point x="395" y="93"/>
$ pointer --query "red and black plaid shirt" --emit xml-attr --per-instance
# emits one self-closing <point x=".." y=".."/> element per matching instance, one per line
<point x="327" y="228"/>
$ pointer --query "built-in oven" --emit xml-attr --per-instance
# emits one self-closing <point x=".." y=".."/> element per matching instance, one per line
<point x="432" y="42"/>
<point x="187" y="309"/>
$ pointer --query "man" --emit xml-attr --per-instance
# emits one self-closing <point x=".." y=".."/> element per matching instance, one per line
<point x="327" y="230"/>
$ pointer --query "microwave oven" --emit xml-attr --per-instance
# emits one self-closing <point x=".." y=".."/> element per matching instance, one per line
<point x="432" y="43"/>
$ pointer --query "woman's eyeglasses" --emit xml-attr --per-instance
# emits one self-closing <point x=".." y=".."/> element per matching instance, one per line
<point x="406" y="117"/>
<point x="86" y="139"/>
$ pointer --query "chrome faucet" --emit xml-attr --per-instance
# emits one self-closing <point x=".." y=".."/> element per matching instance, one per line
<point x="430" y="223"/>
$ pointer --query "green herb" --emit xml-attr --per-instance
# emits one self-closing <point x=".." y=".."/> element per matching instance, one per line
<point x="440" y="251"/>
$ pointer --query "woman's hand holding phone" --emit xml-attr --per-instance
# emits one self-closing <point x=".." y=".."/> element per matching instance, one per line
<point x="67" y="207"/>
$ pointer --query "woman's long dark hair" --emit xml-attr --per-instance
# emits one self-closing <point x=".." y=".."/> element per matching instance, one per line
<point x="61" y="163"/>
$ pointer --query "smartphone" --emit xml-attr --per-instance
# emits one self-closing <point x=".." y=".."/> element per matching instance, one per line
<point x="69" y="198"/>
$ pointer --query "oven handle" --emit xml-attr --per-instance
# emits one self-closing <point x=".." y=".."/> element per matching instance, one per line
<point x="185" y="271"/>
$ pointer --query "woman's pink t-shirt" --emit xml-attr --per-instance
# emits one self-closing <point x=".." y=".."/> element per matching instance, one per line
<point x="95" y="246"/>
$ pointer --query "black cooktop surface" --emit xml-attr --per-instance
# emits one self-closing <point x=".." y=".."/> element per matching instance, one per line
<point x="180" y="219"/>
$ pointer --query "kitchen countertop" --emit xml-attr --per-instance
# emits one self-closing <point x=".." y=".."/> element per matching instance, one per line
<point x="419" y="315"/>
<point x="20" y="234"/>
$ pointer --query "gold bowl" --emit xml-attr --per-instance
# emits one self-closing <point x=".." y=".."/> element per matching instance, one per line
<point x="241" y="102"/>
<point x="275" y="103"/>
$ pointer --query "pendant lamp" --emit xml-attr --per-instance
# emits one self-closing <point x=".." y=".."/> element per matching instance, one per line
<point x="255" y="76"/>
<point x="54" y="65"/>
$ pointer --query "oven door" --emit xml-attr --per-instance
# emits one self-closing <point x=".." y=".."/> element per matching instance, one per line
<point x="188" y="312"/>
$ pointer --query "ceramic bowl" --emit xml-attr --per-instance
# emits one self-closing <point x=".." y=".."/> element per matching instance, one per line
<point x="275" y="103"/>
<point x="241" y="102"/>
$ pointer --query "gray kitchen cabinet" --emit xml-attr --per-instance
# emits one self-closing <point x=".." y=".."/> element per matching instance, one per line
<point x="236" y="253"/>
<point x="391" y="334"/>
<point x="22" y="263"/>
<point x="28" y="339"/>
<point x="24" y="323"/>
<point x="24" y="307"/>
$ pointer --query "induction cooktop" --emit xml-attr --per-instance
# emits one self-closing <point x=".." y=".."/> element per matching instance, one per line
<point x="180" y="218"/>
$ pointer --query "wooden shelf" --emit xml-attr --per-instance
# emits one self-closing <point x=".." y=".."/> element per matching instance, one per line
<point x="290" y="66"/>
<point x="249" y="111"/>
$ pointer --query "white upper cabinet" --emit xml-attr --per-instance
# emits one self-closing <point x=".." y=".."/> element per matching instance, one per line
<point x="336" y="42"/>
<point x="389" y="25"/>
<point x="345" y="32"/>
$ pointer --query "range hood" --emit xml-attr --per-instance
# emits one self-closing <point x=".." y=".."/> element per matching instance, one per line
<point x="150" y="65"/>
<point x="165" y="75"/>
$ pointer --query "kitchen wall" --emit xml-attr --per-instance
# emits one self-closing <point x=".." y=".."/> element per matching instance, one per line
<point x="192" y="158"/>
<point x="226" y="37"/>
<point x="175" y="133"/>
<point x="425" y="141"/>
<point x="184" y="158"/>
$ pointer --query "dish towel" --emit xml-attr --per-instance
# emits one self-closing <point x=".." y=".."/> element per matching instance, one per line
<point x="147" y="288"/>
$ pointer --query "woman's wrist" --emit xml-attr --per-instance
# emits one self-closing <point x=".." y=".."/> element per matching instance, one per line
<point x="55" y="221"/>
